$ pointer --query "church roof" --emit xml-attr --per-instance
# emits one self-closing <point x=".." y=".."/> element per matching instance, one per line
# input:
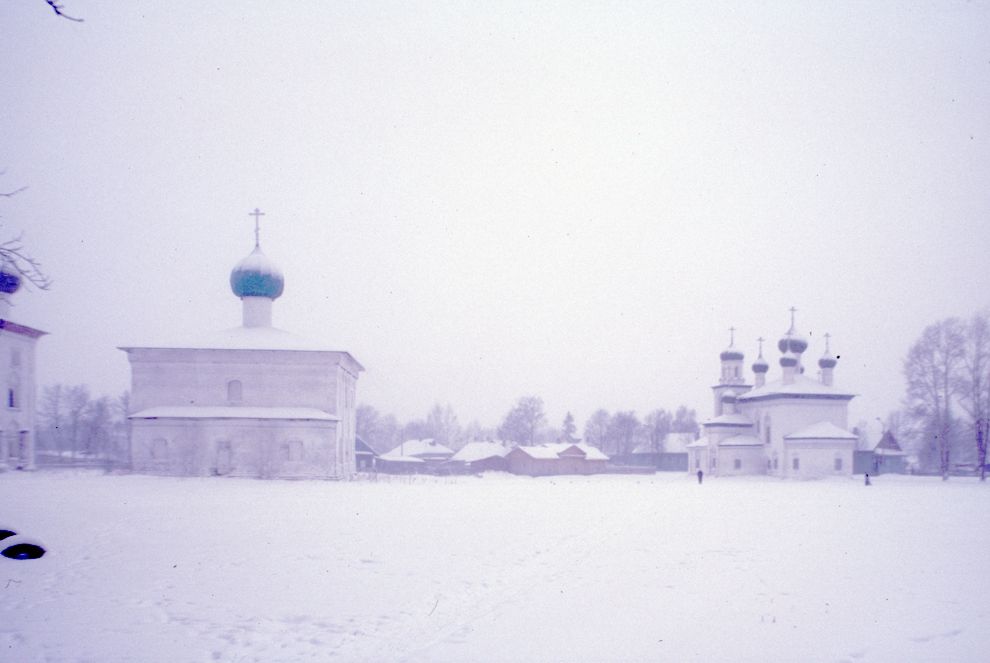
<point x="741" y="441"/>
<point x="245" y="338"/>
<point x="823" y="430"/>
<point x="233" y="412"/>
<point x="23" y="330"/>
<point x="729" y="420"/>
<point x="801" y="387"/>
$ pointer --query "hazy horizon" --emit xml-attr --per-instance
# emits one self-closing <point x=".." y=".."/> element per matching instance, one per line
<point x="574" y="201"/>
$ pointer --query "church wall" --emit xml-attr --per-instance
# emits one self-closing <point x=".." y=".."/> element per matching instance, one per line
<point x="163" y="377"/>
<point x="242" y="447"/>
<point x="751" y="460"/>
<point x="817" y="459"/>
<point x="17" y="368"/>
<point x="788" y="415"/>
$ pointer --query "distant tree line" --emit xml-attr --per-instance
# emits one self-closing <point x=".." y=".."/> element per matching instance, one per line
<point x="526" y="424"/>
<point x="73" y="425"/>
<point x="947" y="402"/>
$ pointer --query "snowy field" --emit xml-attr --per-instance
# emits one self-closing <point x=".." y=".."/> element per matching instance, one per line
<point x="500" y="568"/>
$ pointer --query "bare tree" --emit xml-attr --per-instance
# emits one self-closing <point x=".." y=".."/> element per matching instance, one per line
<point x="568" y="429"/>
<point x="443" y="426"/>
<point x="57" y="7"/>
<point x="656" y="425"/>
<point x="622" y="430"/>
<point x="596" y="430"/>
<point x="15" y="259"/>
<point x="930" y="370"/>
<point x="973" y="383"/>
<point x="523" y="421"/>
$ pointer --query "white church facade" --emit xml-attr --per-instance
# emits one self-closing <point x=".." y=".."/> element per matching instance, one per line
<point x="252" y="401"/>
<point x="18" y="382"/>
<point x="794" y="427"/>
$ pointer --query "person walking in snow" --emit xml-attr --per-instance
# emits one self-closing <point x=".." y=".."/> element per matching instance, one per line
<point x="700" y="476"/>
<point x="867" y="479"/>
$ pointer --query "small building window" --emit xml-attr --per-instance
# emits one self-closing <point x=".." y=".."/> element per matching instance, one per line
<point x="12" y="398"/>
<point x="15" y="358"/>
<point x="796" y="463"/>
<point x="838" y="464"/>
<point x="234" y="391"/>
<point x="737" y="464"/>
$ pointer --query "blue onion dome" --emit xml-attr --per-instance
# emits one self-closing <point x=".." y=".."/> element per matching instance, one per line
<point x="760" y="365"/>
<point x="10" y="280"/>
<point x="827" y="360"/>
<point x="257" y="276"/>
<point x="788" y="359"/>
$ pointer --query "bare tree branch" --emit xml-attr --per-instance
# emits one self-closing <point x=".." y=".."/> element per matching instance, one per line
<point x="58" y="10"/>
<point x="12" y="253"/>
<point x="11" y="193"/>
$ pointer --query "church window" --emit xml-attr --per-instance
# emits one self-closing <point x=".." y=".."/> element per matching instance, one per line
<point x="295" y="450"/>
<point x="737" y="464"/>
<point x="15" y="358"/>
<point x="838" y="464"/>
<point x="234" y="391"/>
<point x="736" y="372"/>
<point x="796" y="463"/>
<point x="766" y="429"/>
<point x="768" y="464"/>
<point x="775" y="466"/>
<point x="697" y="463"/>
<point x="12" y="398"/>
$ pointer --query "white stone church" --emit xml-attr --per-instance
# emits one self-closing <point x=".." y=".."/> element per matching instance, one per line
<point x="795" y="426"/>
<point x="252" y="401"/>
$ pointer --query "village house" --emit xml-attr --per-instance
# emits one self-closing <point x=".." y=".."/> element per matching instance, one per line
<point x="558" y="458"/>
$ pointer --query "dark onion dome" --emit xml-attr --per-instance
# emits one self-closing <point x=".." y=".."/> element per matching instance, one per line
<point x="788" y="360"/>
<point x="760" y="365"/>
<point x="731" y="354"/>
<point x="792" y="342"/>
<point x="10" y="281"/>
<point x="257" y="276"/>
<point x="827" y="360"/>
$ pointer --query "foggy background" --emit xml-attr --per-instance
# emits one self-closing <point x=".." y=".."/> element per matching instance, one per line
<point x="570" y="200"/>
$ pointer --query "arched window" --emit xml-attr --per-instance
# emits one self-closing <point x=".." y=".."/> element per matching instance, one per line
<point x="766" y="429"/>
<point x="234" y="391"/>
<point x="838" y="464"/>
<point x="12" y="398"/>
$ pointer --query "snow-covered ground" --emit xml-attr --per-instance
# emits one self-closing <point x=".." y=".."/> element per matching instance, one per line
<point x="606" y="568"/>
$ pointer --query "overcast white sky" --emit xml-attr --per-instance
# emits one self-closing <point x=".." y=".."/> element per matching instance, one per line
<point x="481" y="201"/>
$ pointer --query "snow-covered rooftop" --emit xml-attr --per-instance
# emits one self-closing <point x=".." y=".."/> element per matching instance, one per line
<point x="729" y="420"/>
<point x="426" y="448"/>
<point x="475" y="451"/>
<point x="554" y="451"/>
<point x="233" y="412"/>
<point x="802" y="387"/>
<point x="823" y="430"/>
<point x="241" y="338"/>
<point x="741" y="441"/>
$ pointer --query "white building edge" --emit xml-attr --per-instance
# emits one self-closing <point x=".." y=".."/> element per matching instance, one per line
<point x="17" y="381"/>
<point x="792" y="427"/>
<point x="251" y="401"/>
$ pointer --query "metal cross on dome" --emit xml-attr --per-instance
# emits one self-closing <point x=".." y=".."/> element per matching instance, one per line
<point x="257" y="214"/>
